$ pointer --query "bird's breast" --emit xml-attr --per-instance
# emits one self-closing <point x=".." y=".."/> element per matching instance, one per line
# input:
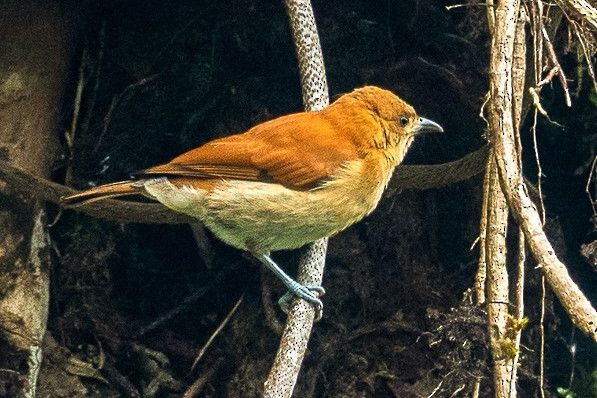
<point x="357" y="187"/>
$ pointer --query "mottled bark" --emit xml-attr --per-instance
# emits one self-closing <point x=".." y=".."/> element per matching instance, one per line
<point x="282" y="377"/>
<point x="504" y="139"/>
<point x="497" y="283"/>
<point x="35" y="52"/>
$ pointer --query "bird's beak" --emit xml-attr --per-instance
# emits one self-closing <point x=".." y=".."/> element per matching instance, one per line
<point x="427" y="126"/>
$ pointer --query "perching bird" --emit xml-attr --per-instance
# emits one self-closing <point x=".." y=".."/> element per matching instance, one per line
<point x="286" y="182"/>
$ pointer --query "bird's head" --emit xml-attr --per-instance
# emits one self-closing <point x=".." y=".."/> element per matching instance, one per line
<point x="399" y="122"/>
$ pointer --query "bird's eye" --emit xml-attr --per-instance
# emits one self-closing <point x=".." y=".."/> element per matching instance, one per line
<point x="403" y="121"/>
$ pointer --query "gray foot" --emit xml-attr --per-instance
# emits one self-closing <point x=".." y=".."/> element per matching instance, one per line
<point x="309" y="293"/>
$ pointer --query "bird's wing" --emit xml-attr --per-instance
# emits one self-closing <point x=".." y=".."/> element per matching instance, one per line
<point x="298" y="151"/>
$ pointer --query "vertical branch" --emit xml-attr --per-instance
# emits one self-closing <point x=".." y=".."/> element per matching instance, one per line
<point x="542" y="342"/>
<point x="497" y="280"/>
<point x="38" y="45"/>
<point x="503" y="136"/>
<point x="518" y="84"/>
<point x="519" y="312"/>
<point x="284" y="372"/>
<point x="490" y="14"/>
<point x="481" y="275"/>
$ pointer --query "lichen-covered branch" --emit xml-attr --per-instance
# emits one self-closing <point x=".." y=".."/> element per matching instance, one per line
<point x="293" y="344"/>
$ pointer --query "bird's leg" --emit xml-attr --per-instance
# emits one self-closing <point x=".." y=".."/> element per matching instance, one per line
<point x="309" y="293"/>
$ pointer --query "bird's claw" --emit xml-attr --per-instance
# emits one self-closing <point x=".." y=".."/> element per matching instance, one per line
<point x="309" y="293"/>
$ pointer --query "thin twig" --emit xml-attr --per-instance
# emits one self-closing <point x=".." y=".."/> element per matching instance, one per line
<point x="459" y="389"/>
<point x="542" y="341"/>
<point x="216" y="332"/>
<point x="481" y="275"/>
<point x="548" y="78"/>
<point x="554" y="60"/>
<point x="482" y="111"/>
<point x="588" y="185"/>
<point x="572" y="349"/>
<point x="538" y="29"/>
<point x="488" y="4"/>
<point x="439" y="386"/>
<point x="69" y="135"/>
<point x="116" y="101"/>
<point x="540" y="174"/>
<point x="215" y="281"/>
<point x="519" y="305"/>
<point x="536" y="14"/>
<point x="476" y="389"/>
<point x="204" y="247"/>
<point x="197" y="387"/>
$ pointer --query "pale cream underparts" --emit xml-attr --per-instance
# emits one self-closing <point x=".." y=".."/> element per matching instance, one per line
<point x="261" y="217"/>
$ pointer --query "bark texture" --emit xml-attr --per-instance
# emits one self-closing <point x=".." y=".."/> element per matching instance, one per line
<point x="293" y="344"/>
<point x="503" y="136"/>
<point x="35" y="50"/>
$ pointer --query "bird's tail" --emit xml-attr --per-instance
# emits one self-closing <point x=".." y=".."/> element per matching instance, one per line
<point x="123" y="188"/>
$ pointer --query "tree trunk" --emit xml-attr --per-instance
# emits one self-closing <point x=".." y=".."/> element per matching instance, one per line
<point x="36" y="49"/>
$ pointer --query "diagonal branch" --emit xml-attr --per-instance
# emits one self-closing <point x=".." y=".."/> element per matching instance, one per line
<point x="581" y="9"/>
<point x="33" y="187"/>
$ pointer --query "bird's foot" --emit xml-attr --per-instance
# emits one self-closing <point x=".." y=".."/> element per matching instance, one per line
<point x="309" y="293"/>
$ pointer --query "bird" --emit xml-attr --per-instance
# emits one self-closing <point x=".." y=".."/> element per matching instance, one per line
<point x="286" y="182"/>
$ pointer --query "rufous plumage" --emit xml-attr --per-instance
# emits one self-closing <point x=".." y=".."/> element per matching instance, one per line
<point x="289" y="181"/>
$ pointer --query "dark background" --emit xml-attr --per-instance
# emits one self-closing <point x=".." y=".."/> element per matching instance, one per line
<point x="164" y="78"/>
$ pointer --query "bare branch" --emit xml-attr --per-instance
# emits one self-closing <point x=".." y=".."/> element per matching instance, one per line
<point x="519" y="308"/>
<point x="497" y="282"/>
<point x="481" y="275"/>
<point x="518" y="83"/>
<point x="24" y="183"/>
<point x="501" y="120"/>
<point x="581" y="9"/>
<point x="542" y="341"/>
<point x="554" y="60"/>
